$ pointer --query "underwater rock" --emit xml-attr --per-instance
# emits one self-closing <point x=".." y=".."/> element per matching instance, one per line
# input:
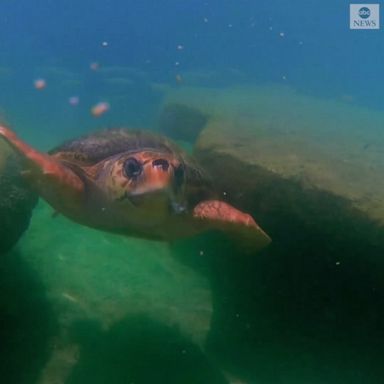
<point x="270" y="146"/>
<point x="275" y="174"/>
<point x="27" y="321"/>
<point x="320" y="197"/>
<point x="98" y="284"/>
<point x="182" y="122"/>
<point x="138" y="349"/>
<point x="16" y="200"/>
<point x="310" y="172"/>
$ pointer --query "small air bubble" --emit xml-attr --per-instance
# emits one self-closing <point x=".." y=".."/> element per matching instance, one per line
<point x="40" y="84"/>
<point x="100" y="108"/>
<point x="74" y="101"/>
<point x="94" y="66"/>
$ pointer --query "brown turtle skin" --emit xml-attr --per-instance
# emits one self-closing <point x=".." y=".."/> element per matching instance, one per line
<point x="134" y="183"/>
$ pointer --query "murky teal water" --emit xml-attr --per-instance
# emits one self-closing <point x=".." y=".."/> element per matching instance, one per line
<point x="80" y="306"/>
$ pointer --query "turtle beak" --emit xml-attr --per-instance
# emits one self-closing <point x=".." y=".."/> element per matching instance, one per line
<point x="169" y="176"/>
<point x="160" y="180"/>
<point x="160" y="175"/>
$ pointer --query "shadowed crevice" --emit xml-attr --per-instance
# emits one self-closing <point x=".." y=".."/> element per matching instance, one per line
<point x="27" y="323"/>
<point x="139" y="350"/>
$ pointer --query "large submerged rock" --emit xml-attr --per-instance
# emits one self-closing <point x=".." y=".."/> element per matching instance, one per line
<point x="310" y="172"/>
<point x="277" y="173"/>
<point x="182" y="122"/>
<point x="16" y="199"/>
<point x="118" y="302"/>
<point x="293" y="149"/>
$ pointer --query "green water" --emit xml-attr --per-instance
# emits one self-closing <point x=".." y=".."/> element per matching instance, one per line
<point x="83" y="306"/>
<point x="99" y="282"/>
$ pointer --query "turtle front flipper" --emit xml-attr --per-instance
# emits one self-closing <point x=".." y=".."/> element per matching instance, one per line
<point x="222" y="216"/>
<point x="54" y="181"/>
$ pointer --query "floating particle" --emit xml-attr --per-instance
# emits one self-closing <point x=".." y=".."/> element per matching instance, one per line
<point x="40" y="84"/>
<point x="94" y="66"/>
<point x="337" y="263"/>
<point x="178" y="78"/>
<point x="180" y="47"/>
<point x="300" y="43"/>
<point x="230" y="25"/>
<point x="74" y="100"/>
<point x="205" y="20"/>
<point x="177" y="63"/>
<point x="284" y="77"/>
<point x="104" y="44"/>
<point x="69" y="297"/>
<point x="99" y="109"/>
<point x="201" y="253"/>
<point x="281" y="34"/>
<point x="270" y="28"/>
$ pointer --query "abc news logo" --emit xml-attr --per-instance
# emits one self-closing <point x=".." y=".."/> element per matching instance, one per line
<point x="364" y="16"/>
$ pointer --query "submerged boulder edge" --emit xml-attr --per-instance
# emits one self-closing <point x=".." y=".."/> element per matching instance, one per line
<point x="181" y="121"/>
<point x="17" y="200"/>
<point x="285" y="188"/>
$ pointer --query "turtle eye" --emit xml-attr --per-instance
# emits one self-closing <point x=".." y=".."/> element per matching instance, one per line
<point x="132" y="168"/>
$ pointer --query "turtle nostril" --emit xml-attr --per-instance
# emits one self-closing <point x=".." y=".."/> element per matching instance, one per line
<point x="161" y="163"/>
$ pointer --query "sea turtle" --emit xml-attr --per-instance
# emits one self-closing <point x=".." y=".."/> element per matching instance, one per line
<point x="134" y="183"/>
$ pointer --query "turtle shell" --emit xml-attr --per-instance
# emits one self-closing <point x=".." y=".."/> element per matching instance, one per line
<point x="91" y="149"/>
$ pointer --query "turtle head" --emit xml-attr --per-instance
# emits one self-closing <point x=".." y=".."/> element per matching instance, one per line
<point x="148" y="180"/>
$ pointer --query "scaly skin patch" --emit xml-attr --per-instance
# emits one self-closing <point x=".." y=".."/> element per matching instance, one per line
<point x="220" y="211"/>
<point x="224" y="217"/>
<point x="55" y="182"/>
